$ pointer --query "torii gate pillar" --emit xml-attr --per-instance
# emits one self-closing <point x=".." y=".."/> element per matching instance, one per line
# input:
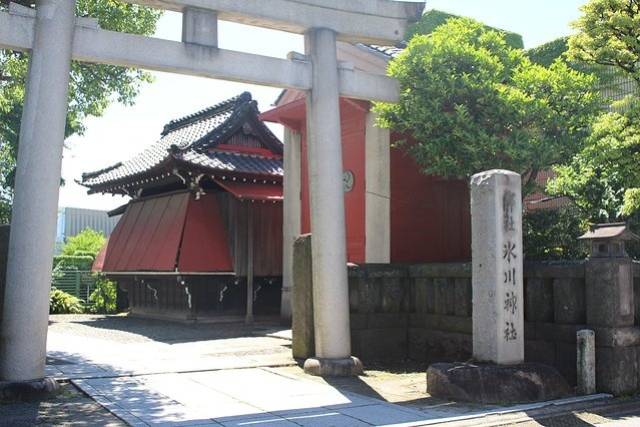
<point x="53" y="44"/>
<point x="331" y="293"/>
<point x="26" y="305"/>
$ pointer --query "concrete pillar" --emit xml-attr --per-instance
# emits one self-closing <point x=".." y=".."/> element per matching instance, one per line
<point x="609" y="292"/>
<point x="200" y="26"/>
<point x="33" y="227"/>
<point x="496" y="226"/>
<point x="586" y="362"/>
<point x="302" y="345"/>
<point x="610" y="314"/>
<point x="377" y="193"/>
<point x="330" y="290"/>
<point x="291" y="216"/>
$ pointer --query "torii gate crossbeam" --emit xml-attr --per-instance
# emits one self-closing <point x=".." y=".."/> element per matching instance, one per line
<point x="94" y="45"/>
<point x="55" y="36"/>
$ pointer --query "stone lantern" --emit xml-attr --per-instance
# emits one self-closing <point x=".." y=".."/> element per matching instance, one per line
<point x="608" y="240"/>
<point x="610" y="307"/>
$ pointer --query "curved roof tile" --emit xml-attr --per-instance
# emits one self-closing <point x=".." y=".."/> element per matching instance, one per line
<point x="192" y="137"/>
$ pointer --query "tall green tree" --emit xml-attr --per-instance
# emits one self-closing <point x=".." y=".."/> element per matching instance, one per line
<point x="473" y="103"/>
<point x="604" y="179"/>
<point x="86" y="242"/>
<point x="609" y="34"/>
<point x="92" y="87"/>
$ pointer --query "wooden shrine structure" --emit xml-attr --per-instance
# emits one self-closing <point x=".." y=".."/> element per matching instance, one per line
<point x="205" y="219"/>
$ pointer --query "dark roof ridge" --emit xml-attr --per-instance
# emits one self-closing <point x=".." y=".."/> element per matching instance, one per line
<point x="89" y="175"/>
<point x="253" y="155"/>
<point x="234" y="102"/>
<point x="231" y="124"/>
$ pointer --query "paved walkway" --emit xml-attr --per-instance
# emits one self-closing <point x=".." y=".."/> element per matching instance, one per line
<point x="157" y="373"/>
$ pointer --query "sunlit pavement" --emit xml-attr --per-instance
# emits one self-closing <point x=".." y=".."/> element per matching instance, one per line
<point x="157" y="373"/>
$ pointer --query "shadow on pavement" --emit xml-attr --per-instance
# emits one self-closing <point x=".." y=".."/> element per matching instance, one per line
<point x="161" y="330"/>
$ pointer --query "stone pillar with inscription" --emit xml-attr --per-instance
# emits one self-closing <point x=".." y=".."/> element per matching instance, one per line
<point x="498" y="373"/>
<point x="498" y="315"/>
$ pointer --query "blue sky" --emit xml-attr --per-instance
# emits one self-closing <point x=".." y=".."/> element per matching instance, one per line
<point x="124" y="131"/>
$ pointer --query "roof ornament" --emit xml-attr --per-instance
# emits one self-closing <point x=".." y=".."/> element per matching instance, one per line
<point x="196" y="187"/>
<point x="182" y="178"/>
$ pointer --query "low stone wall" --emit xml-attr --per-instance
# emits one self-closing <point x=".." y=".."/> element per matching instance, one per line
<point x="423" y="313"/>
<point x="4" y="249"/>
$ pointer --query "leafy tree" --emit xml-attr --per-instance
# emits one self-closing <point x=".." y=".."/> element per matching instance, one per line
<point x="88" y="242"/>
<point x="92" y="87"/>
<point x="609" y="34"/>
<point x="104" y="298"/>
<point x="551" y="234"/>
<point x="474" y="103"/>
<point x="604" y="179"/>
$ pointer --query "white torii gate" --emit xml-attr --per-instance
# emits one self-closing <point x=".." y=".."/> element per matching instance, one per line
<point x="55" y="36"/>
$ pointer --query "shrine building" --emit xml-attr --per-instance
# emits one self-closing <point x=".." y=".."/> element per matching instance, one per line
<point x="205" y="217"/>
<point x="394" y="212"/>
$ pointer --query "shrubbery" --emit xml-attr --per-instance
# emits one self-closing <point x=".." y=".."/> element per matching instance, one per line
<point x="78" y="255"/>
<point x="104" y="297"/>
<point x="61" y="302"/>
<point x="552" y="234"/>
<point x="73" y="262"/>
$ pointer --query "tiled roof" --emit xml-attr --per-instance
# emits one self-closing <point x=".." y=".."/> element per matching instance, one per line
<point x="387" y="51"/>
<point x="191" y="138"/>
<point x="235" y="162"/>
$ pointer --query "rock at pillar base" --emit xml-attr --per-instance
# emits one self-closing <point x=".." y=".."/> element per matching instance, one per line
<point x="349" y="367"/>
<point x="488" y="383"/>
<point x="25" y="391"/>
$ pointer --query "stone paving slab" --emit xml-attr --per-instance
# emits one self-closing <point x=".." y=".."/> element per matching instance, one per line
<point x="155" y="373"/>
<point x="261" y="397"/>
<point x="81" y="356"/>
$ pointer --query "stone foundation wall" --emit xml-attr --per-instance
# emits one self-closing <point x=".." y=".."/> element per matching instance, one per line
<point x="197" y="298"/>
<point x="423" y="313"/>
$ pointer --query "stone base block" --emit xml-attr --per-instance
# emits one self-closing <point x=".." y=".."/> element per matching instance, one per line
<point x="26" y="391"/>
<point x="495" y="384"/>
<point x="349" y="367"/>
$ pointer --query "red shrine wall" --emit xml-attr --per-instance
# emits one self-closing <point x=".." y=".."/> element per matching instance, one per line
<point x="430" y="217"/>
<point x="353" y="159"/>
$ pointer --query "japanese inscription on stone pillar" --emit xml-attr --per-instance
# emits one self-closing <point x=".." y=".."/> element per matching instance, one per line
<point x="498" y="315"/>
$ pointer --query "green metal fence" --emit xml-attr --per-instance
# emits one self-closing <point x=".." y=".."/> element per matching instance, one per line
<point x="77" y="283"/>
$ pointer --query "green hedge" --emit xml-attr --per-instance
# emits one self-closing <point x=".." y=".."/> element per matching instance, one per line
<point x="434" y="18"/>
<point x="610" y="79"/>
<point x="70" y="262"/>
<point x="547" y="53"/>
